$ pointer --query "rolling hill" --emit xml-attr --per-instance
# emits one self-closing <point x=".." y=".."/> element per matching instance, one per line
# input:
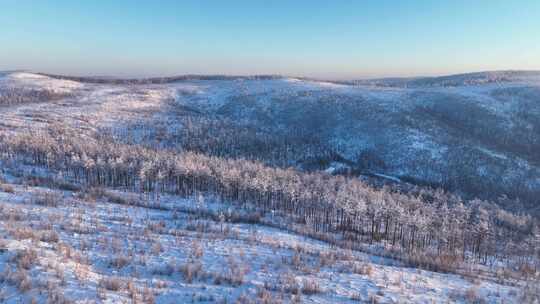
<point x="269" y="189"/>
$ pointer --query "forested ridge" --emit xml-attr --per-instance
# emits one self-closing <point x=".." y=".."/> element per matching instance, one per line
<point x="158" y="80"/>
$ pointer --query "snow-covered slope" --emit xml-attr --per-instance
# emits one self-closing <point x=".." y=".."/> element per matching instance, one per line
<point x="119" y="247"/>
<point x="469" y="137"/>
<point x="479" y="78"/>
<point x="62" y="241"/>
<point x="34" y="81"/>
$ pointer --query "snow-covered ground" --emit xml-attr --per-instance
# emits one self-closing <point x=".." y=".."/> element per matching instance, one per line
<point x="360" y="117"/>
<point x="106" y="245"/>
<point x="113" y="247"/>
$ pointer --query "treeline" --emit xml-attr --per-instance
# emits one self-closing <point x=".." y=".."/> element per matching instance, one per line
<point x="15" y="96"/>
<point x="222" y="137"/>
<point x="425" y="222"/>
<point x="158" y="80"/>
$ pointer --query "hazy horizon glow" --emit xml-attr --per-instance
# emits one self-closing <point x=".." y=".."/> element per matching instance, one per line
<point x="345" y="39"/>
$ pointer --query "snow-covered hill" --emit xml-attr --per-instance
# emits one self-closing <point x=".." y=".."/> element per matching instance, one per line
<point x="477" y="137"/>
<point x="478" y="78"/>
<point x="68" y="235"/>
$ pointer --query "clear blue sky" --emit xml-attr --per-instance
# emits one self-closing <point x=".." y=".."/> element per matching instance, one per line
<point x="319" y="38"/>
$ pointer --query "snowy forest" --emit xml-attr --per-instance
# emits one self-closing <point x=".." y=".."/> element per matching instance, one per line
<point x="436" y="178"/>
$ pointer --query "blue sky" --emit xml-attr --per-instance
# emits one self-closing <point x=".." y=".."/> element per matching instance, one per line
<point x="327" y="39"/>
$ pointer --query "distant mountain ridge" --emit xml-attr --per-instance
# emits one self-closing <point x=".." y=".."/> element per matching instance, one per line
<point x="475" y="78"/>
<point x="157" y="80"/>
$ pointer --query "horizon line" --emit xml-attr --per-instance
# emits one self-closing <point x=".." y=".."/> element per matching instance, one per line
<point x="260" y="75"/>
